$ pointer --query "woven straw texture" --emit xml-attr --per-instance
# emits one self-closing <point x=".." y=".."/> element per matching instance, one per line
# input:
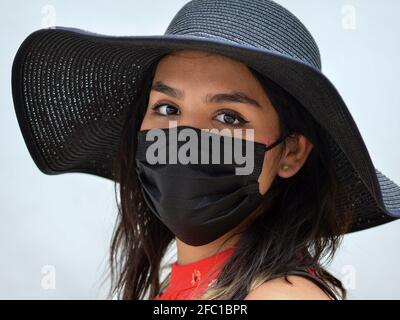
<point x="72" y="90"/>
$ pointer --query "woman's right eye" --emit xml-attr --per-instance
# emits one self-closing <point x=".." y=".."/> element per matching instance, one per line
<point x="165" y="109"/>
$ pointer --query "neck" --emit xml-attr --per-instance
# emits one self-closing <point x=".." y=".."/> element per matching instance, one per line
<point x="187" y="254"/>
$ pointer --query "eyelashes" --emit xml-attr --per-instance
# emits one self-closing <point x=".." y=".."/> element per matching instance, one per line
<point x="225" y="116"/>
<point x="159" y="109"/>
<point x="231" y="118"/>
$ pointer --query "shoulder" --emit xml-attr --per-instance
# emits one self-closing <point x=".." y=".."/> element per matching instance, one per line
<point x="300" y="288"/>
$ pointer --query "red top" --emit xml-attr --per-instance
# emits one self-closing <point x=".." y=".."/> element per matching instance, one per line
<point x="189" y="281"/>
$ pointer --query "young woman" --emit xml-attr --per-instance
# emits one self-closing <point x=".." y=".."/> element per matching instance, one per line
<point x="267" y="241"/>
<point x="85" y="102"/>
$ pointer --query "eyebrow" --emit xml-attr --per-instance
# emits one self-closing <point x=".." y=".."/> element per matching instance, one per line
<point x="234" y="96"/>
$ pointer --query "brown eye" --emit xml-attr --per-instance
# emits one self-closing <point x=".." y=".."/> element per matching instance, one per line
<point x="230" y="119"/>
<point x="227" y="118"/>
<point x="165" y="109"/>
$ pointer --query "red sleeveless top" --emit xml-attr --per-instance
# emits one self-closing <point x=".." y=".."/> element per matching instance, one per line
<point x="188" y="282"/>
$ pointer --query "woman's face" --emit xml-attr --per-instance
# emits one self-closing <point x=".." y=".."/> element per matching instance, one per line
<point x="183" y="85"/>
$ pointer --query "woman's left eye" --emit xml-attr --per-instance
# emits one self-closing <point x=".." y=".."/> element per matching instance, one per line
<point x="230" y="119"/>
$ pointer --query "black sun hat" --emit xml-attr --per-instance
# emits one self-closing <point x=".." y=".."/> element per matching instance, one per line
<point x="72" y="90"/>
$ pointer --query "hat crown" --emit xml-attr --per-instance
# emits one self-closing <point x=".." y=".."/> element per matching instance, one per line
<point x="257" y="23"/>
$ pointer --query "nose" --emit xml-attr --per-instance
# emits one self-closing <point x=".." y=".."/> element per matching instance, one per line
<point x="193" y="118"/>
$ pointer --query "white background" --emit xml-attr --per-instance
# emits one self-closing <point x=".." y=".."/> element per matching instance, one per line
<point x="66" y="221"/>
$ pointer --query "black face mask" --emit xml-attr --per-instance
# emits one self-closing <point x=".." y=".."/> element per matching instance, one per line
<point x="199" y="202"/>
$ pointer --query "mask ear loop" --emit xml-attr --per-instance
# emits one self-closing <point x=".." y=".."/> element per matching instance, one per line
<point x="280" y="140"/>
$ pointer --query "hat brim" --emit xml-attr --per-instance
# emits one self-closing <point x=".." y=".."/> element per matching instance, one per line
<point x="72" y="89"/>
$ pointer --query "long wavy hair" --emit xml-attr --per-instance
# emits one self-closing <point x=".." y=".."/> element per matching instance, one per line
<point x="298" y="216"/>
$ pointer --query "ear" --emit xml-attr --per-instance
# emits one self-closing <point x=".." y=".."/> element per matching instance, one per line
<point x="297" y="150"/>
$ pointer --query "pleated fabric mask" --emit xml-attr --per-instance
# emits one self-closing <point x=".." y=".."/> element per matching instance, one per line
<point x="200" y="184"/>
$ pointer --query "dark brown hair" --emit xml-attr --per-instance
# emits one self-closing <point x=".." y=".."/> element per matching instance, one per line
<point x="298" y="216"/>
